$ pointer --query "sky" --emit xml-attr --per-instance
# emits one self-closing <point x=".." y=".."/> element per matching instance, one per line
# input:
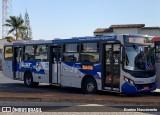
<point x="51" y="19"/>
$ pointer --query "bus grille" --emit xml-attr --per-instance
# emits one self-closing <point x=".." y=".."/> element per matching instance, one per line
<point x="143" y="86"/>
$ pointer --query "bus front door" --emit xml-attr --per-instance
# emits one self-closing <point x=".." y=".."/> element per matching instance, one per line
<point x="55" y="64"/>
<point x="112" y="67"/>
<point x="16" y="62"/>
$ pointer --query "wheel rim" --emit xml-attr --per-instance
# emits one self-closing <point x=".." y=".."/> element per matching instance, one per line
<point x="90" y="87"/>
<point x="28" y="80"/>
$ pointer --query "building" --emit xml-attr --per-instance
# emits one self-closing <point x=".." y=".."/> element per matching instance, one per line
<point x="128" y="29"/>
<point x="2" y="41"/>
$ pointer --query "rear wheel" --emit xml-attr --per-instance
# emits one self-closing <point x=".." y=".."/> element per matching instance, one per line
<point x="89" y="86"/>
<point x="28" y="80"/>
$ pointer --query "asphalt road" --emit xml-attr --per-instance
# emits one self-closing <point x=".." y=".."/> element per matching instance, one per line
<point x="17" y="87"/>
<point x="71" y="107"/>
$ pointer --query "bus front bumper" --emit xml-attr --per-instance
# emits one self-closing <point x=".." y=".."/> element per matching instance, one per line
<point x="138" y="88"/>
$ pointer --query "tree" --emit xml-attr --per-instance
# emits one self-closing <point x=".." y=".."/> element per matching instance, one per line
<point x="9" y="38"/>
<point x="28" y="33"/>
<point x="16" y="24"/>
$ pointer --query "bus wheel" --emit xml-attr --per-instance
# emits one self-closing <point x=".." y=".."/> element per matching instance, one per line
<point x="89" y="86"/>
<point x="28" y="80"/>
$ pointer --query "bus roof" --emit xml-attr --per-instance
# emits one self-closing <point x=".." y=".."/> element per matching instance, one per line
<point x="85" y="39"/>
<point x="74" y="39"/>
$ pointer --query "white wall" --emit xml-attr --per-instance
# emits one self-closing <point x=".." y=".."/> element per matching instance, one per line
<point x="125" y="30"/>
<point x="151" y="32"/>
<point x="2" y="41"/>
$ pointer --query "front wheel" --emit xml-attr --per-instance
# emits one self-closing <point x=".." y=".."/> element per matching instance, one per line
<point x="28" y="80"/>
<point x="89" y="86"/>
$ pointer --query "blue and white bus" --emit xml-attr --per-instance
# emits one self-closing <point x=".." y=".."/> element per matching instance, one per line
<point x="118" y="63"/>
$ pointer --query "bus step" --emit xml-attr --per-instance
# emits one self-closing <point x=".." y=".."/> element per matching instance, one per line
<point x="55" y="84"/>
<point x="16" y="78"/>
<point x="106" y="89"/>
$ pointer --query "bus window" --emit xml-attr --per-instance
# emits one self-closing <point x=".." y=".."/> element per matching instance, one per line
<point x="89" y="52"/>
<point x="90" y="47"/>
<point x="29" y="53"/>
<point x="41" y="52"/>
<point x="70" y="57"/>
<point x="71" y="53"/>
<point x="71" y="48"/>
<point x="8" y="53"/>
<point x="89" y="57"/>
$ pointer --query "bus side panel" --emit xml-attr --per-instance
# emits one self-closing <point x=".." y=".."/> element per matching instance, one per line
<point x="66" y="73"/>
<point x="73" y="73"/>
<point x="7" y="68"/>
<point x="39" y="70"/>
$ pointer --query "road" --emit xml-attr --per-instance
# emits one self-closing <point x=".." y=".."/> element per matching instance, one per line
<point x="69" y="99"/>
<point x="71" y="107"/>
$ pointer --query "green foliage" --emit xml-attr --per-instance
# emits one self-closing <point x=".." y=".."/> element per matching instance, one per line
<point x="16" y="23"/>
<point x="9" y="38"/>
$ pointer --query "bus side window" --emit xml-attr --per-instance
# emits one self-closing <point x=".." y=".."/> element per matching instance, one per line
<point x="90" y="52"/>
<point x="41" y="52"/>
<point x="71" y="53"/>
<point x="8" y="53"/>
<point x="29" y="53"/>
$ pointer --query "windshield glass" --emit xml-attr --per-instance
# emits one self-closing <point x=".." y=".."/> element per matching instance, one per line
<point x="139" y="57"/>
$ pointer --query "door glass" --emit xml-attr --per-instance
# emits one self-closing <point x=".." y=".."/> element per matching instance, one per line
<point x="56" y="54"/>
<point x="58" y="51"/>
<point x="116" y="66"/>
<point x="108" y="60"/>
<point x="18" y="54"/>
<point x="53" y="55"/>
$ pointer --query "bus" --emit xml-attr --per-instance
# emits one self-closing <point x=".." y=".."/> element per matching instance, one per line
<point x="116" y="63"/>
<point x="157" y="58"/>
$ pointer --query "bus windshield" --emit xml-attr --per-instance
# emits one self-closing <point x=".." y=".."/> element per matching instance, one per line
<point x="139" y="58"/>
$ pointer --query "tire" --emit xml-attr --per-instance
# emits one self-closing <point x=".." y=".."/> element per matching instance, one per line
<point x="28" y="80"/>
<point x="89" y="86"/>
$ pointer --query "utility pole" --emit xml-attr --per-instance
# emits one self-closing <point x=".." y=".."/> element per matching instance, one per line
<point x="6" y="12"/>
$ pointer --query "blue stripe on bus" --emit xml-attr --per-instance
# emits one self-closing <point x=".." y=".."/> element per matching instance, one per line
<point x="32" y="66"/>
<point x="78" y="39"/>
<point x="130" y="89"/>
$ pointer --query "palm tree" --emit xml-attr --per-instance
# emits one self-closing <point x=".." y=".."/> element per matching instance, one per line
<point x="16" y="24"/>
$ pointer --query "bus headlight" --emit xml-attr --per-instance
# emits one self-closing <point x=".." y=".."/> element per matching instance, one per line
<point x="126" y="79"/>
<point x="129" y="80"/>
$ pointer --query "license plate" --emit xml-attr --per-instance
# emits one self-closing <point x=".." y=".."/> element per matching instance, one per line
<point x="145" y="88"/>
